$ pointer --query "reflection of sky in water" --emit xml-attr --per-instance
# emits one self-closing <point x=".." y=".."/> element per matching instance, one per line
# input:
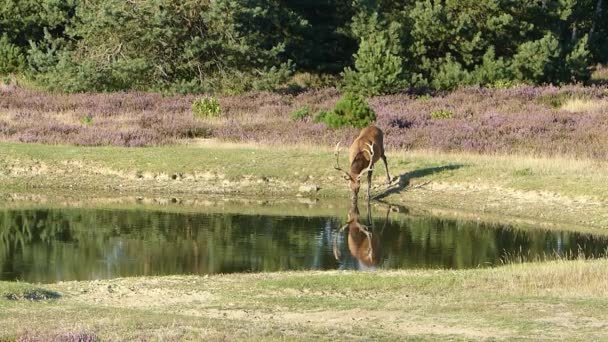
<point x="53" y="245"/>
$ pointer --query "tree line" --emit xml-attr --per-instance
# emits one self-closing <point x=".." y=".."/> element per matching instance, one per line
<point x="366" y="46"/>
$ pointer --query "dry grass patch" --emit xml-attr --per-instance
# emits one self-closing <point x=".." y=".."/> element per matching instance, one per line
<point x="578" y="105"/>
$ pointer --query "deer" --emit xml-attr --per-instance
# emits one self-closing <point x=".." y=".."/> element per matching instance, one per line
<point x="363" y="242"/>
<point x="363" y="153"/>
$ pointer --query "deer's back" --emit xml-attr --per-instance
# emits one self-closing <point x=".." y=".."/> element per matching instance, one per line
<point x="368" y="135"/>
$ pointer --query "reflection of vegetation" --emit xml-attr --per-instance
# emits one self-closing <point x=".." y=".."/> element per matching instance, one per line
<point x="49" y="245"/>
<point x="46" y="245"/>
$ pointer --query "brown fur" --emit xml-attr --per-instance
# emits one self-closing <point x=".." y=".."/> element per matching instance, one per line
<point x="362" y="246"/>
<point x="358" y="158"/>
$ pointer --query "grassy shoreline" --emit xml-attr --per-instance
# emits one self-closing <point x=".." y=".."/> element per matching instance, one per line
<point x="554" y="300"/>
<point x="558" y="193"/>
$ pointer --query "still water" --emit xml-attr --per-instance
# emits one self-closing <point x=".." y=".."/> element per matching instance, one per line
<point x="49" y="245"/>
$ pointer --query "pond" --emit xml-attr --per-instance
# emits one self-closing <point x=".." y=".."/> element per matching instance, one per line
<point x="49" y="245"/>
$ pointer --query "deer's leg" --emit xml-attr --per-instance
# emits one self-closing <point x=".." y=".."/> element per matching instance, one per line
<point x="388" y="176"/>
<point x="368" y="235"/>
<point x="369" y="185"/>
<point x="369" y="214"/>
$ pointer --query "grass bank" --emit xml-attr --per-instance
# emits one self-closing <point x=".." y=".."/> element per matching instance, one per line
<point x="566" y="300"/>
<point x="552" y="192"/>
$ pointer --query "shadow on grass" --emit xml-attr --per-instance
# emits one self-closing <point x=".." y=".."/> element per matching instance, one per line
<point x="403" y="180"/>
<point x="70" y="336"/>
<point x="33" y="295"/>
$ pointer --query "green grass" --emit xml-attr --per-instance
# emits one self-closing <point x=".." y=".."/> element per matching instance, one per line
<point x="564" y="192"/>
<point x="565" y="175"/>
<point x="554" y="300"/>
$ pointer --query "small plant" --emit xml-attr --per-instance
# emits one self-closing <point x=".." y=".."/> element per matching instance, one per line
<point x="86" y="120"/>
<point x="503" y="84"/>
<point x="205" y="107"/>
<point x="554" y="100"/>
<point x="441" y="114"/>
<point x="320" y="116"/>
<point x="300" y="113"/>
<point x="425" y="97"/>
<point x="523" y="172"/>
<point x="351" y="110"/>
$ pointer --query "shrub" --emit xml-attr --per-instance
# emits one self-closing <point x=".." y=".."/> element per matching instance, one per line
<point x="493" y="72"/>
<point x="206" y="107"/>
<point x="578" y="60"/>
<point x="351" y="110"/>
<point x="441" y="114"/>
<point x="300" y="113"/>
<point x="11" y="58"/>
<point x="538" y="61"/>
<point x="378" y="62"/>
<point x="450" y="75"/>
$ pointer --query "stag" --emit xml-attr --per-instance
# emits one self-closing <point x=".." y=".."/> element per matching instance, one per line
<point x="363" y="153"/>
<point x="360" y="241"/>
<point x="363" y="241"/>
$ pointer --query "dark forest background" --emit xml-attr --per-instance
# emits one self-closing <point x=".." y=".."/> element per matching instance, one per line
<point x="365" y="46"/>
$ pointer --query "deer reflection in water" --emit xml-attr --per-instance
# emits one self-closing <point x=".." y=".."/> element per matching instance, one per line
<point x="363" y="239"/>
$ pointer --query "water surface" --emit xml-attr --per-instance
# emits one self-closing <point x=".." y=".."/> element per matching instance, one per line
<point x="49" y="245"/>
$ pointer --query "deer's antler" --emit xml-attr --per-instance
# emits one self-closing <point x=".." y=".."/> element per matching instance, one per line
<point x="371" y="161"/>
<point x="337" y="166"/>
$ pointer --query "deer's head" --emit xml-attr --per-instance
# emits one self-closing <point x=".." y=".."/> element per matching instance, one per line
<point x="359" y="166"/>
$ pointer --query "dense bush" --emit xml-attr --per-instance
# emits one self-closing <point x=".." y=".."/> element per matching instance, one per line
<point x="351" y="110"/>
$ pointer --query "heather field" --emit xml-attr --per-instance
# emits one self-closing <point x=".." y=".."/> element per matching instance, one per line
<point x="568" y="121"/>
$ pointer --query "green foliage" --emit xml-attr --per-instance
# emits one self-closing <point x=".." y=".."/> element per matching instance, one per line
<point x="378" y="62"/>
<point x="351" y="110"/>
<point x="86" y="120"/>
<point x="455" y="35"/>
<point x="11" y="57"/>
<point x="450" y="75"/>
<point x="503" y="84"/>
<point x="205" y="107"/>
<point x="494" y="72"/>
<point x="271" y="78"/>
<point x="234" y="46"/>
<point x="578" y="61"/>
<point x="300" y="114"/>
<point x="537" y="61"/>
<point x="441" y="114"/>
